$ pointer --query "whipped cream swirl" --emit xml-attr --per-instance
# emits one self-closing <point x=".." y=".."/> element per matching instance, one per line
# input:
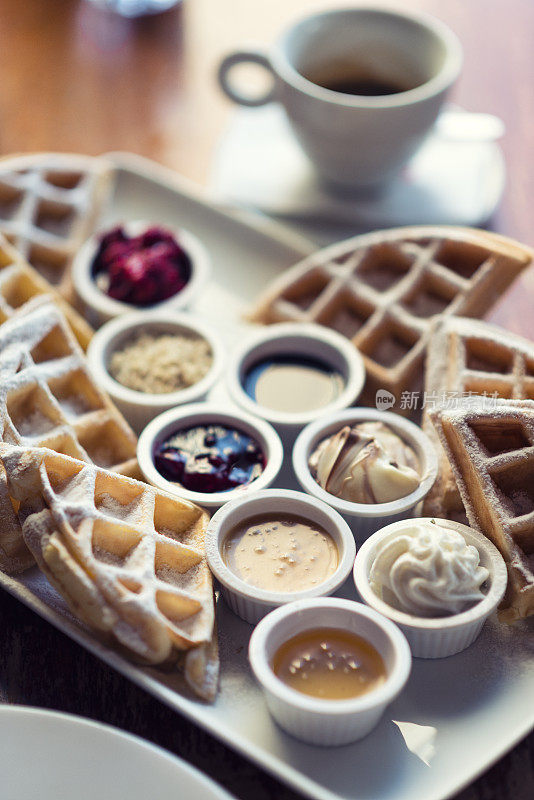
<point x="368" y="463"/>
<point x="428" y="571"/>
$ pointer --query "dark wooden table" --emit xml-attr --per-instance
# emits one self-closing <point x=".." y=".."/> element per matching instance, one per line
<point x="76" y="78"/>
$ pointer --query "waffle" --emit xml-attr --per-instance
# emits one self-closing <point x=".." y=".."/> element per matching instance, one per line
<point x="128" y="558"/>
<point x="49" y="204"/>
<point x="48" y="399"/>
<point x="470" y="357"/>
<point x="491" y="451"/>
<point x="382" y="290"/>
<point x="200" y="666"/>
<point x="20" y="284"/>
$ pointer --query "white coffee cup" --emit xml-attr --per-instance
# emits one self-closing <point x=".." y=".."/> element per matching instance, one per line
<point x="356" y="140"/>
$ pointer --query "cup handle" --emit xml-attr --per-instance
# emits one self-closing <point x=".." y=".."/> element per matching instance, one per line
<point x="246" y="57"/>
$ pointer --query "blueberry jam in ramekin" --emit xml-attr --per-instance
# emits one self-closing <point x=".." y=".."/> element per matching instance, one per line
<point x="209" y="458"/>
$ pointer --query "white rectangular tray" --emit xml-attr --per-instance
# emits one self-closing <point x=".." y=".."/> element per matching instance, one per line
<point x="457" y="715"/>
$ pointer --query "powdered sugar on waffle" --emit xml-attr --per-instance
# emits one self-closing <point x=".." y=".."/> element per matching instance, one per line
<point x="470" y="356"/>
<point x="43" y="379"/>
<point x="49" y="203"/>
<point x="492" y="456"/>
<point x="466" y="356"/>
<point x="22" y="288"/>
<point x="107" y="566"/>
<point x="43" y="373"/>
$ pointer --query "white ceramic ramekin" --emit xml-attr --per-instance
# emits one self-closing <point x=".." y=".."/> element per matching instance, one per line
<point x="193" y="414"/>
<point x="141" y="407"/>
<point x="328" y="722"/>
<point x="100" y="308"/>
<point x="308" y="341"/>
<point x="247" y="601"/>
<point x="440" y="636"/>
<point x="366" y="518"/>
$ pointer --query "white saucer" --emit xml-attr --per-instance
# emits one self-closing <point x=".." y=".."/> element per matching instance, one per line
<point x="259" y="163"/>
<point x="53" y="756"/>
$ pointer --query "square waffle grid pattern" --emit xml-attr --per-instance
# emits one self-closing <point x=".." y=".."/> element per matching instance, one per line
<point x="492" y="456"/>
<point x="49" y="204"/>
<point x="20" y="284"/>
<point x="383" y="290"/>
<point x="467" y="357"/>
<point x="48" y="399"/>
<point x="128" y="558"/>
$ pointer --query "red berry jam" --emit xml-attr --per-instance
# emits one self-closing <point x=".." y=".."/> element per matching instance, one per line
<point x="141" y="270"/>
<point x="209" y="459"/>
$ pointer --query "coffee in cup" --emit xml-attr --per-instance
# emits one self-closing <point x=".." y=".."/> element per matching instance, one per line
<point x="353" y="80"/>
<point x="361" y="87"/>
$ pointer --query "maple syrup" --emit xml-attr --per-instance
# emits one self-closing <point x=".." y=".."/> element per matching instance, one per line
<point x="329" y="663"/>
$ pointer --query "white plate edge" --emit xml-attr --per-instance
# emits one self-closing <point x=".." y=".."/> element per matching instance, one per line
<point x="146" y="168"/>
<point x="8" y="709"/>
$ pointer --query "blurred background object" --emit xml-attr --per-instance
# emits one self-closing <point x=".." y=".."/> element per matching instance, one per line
<point x="136" y="8"/>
